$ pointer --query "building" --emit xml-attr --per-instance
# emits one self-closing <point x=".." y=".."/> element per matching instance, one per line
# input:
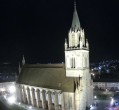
<point x="6" y="88"/>
<point x="8" y="72"/>
<point x="107" y="84"/>
<point x="60" y="86"/>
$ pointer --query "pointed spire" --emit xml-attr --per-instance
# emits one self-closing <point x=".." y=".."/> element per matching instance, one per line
<point x="23" y="60"/>
<point x="19" y="68"/>
<point x="65" y="44"/>
<point x="74" y="5"/>
<point x="87" y="44"/>
<point x="75" y="21"/>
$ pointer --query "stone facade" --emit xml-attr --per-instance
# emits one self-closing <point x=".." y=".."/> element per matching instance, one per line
<point x="77" y="64"/>
<point x="45" y="98"/>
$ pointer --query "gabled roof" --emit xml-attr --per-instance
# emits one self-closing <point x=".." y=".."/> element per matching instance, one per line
<point x="50" y="76"/>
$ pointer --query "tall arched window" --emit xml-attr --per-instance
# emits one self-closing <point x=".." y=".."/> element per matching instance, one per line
<point x="74" y="62"/>
<point x="71" y="65"/>
<point x="85" y="62"/>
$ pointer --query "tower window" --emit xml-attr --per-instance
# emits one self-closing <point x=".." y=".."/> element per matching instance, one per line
<point x="74" y="62"/>
<point x="71" y="65"/>
<point x="85" y="61"/>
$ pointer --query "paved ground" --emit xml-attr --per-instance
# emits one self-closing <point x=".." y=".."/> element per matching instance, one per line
<point x="101" y="105"/>
<point x="27" y="107"/>
<point x="2" y="106"/>
<point x="16" y="106"/>
<point x="104" y="105"/>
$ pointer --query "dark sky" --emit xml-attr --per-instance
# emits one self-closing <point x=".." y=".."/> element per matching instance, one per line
<point x="37" y="29"/>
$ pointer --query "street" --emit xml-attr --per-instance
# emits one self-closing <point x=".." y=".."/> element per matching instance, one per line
<point x="8" y="106"/>
<point x="104" y="105"/>
<point x="101" y="105"/>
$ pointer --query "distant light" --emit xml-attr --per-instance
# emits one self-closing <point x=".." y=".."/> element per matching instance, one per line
<point x="12" y="89"/>
<point x="112" y="101"/>
<point x="11" y="99"/>
<point x="2" y="89"/>
<point x="99" y="68"/>
<point x="93" y="74"/>
<point x="5" y="96"/>
<point x="95" y="97"/>
<point x="30" y="107"/>
<point x="90" y="106"/>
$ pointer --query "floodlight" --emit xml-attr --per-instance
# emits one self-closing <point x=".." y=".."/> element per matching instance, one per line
<point x="11" y="99"/>
<point x="12" y="89"/>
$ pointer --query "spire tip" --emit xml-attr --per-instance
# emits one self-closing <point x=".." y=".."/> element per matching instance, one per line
<point x="74" y="4"/>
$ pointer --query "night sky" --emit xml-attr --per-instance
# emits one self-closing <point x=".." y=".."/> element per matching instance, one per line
<point x="38" y="28"/>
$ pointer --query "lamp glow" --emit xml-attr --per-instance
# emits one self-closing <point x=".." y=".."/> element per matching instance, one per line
<point x="12" y="89"/>
<point x="2" y="89"/>
<point x="112" y="101"/>
<point x="30" y="107"/>
<point x="11" y="99"/>
<point x="95" y="97"/>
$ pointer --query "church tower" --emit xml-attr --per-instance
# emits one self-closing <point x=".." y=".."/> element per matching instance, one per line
<point x="76" y="49"/>
<point x="77" y="63"/>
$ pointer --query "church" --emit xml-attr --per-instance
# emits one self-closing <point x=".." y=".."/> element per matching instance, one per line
<point x="65" y="86"/>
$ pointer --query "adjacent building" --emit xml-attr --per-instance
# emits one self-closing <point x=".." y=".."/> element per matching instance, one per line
<point x="112" y="85"/>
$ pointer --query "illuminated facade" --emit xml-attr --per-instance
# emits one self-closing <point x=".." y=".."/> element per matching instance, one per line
<point x="60" y="86"/>
<point x="77" y="63"/>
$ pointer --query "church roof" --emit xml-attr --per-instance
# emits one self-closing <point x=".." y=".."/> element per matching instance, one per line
<point x="50" y="76"/>
<point x="75" y="21"/>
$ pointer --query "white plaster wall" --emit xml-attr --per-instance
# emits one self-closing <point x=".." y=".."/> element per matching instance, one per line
<point x="69" y="101"/>
<point x="80" y="57"/>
